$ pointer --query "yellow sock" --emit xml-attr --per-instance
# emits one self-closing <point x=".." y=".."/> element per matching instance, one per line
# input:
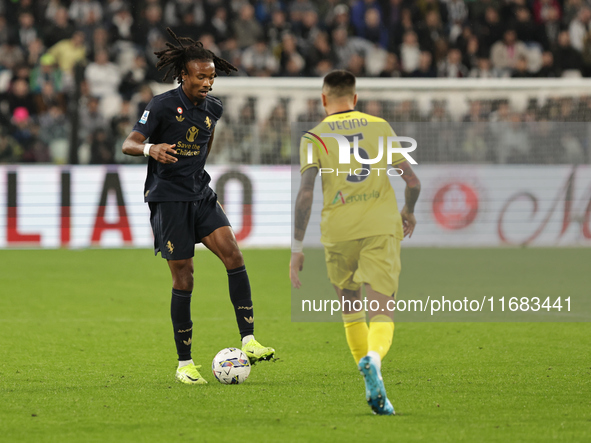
<point x="356" y="332"/>
<point x="381" y="331"/>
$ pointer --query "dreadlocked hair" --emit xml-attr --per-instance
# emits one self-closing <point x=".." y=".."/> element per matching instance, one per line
<point x="177" y="57"/>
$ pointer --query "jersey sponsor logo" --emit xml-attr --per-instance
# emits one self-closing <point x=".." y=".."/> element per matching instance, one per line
<point x="180" y="118"/>
<point x="338" y="197"/>
<point x="187" y="149"/>
<point x="192" y="133"/>
<point x="363" y="197"/>
<point x="144" y="118"/>
<point x="187" y="152"/>
<point x="208" y="122"/>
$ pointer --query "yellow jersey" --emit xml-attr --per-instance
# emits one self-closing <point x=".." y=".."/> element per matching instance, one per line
<point x="359" y="201"/>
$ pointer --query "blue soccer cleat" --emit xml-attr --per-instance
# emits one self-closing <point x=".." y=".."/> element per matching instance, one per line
<point x="375" y="392"/>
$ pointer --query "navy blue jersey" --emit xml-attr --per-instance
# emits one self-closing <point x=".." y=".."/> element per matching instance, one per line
<point x="172" y="118"/>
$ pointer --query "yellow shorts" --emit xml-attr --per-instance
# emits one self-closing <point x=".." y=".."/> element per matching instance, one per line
<point x="373" y="260"/>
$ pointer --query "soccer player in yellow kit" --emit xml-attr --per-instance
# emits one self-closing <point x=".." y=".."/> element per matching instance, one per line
<point x="361" y="227"/>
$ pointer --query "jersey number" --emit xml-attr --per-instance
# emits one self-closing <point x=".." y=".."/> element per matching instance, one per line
<point x="363" y="172"/>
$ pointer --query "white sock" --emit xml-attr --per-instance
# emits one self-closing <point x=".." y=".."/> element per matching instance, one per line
<point x="185" y="363"/>
<point x="247" y="339"/>
<point x="376" y="357"/>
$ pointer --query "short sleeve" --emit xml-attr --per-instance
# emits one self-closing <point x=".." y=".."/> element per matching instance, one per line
<point x="308" y="154"/>
<point x="149" y="120"/>
<point x="397" y="157"/>
<point x="220" y="111"/>
<point x="216" y="107"/>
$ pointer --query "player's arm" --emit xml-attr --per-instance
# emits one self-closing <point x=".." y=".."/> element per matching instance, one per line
<point x="134" y="145"/>
<point x="209" y="144"/>
<point x="304" y="201"/>
<point x="411" y="195"/>
<point x="303" y="208"/>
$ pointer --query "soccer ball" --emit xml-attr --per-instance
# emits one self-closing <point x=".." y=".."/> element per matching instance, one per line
<point x="230" y="366"/>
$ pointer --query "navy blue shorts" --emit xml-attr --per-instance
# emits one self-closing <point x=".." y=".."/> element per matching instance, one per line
<point x="178" y="226"/>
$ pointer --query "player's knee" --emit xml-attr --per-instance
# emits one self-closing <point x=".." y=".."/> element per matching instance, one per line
<point x="182" y="275"/>
<point x="234" y="259"/>
<point x="184" y="282"/>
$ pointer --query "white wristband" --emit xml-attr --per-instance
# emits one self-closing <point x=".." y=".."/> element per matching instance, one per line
<point x="297" y="246"/>
<point x="147" y="147"/>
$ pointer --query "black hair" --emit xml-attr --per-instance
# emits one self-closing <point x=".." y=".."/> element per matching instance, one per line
<point x="188" y="49"/>
<point x="340" y="82"/>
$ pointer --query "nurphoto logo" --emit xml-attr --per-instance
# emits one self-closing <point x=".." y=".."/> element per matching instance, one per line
<point x="349" y="144"/>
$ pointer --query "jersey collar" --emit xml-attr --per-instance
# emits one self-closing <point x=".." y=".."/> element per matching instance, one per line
<point x="341" y="112"/>
<point x="334" y="115"/>
<point x="186" y="102"/>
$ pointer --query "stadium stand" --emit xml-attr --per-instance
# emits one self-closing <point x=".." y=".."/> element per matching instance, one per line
<point x="94" y="59"/>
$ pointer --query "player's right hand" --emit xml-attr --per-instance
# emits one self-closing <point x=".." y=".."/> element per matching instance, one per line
<point x="408" y="222"/>
<point x="161" y="153"/>
<point x="296" y="264"/>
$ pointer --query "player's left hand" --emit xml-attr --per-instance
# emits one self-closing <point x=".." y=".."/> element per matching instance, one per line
<point x="296" y="264"/>
<point x="408" y="222"/>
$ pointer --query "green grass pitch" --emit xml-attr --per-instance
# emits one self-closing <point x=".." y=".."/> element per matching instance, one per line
<point x="86" y="355"/>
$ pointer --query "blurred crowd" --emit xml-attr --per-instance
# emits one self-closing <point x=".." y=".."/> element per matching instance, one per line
<point x="556" y="131"/>
<point x="107" y="47"/>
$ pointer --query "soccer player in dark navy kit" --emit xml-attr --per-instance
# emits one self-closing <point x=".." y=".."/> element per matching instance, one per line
<point x="184" y="210"/>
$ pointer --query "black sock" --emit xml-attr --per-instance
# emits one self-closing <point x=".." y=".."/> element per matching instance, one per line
<point x="180" y="312"/>
<point x="241" y="299"/>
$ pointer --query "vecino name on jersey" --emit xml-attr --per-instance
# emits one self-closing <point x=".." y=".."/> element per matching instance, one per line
<point x="347" y="124"/>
